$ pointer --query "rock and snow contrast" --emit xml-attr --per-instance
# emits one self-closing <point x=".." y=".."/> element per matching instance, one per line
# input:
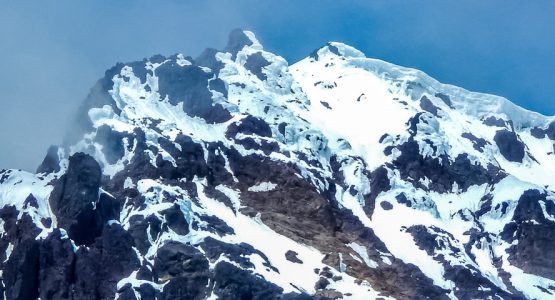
<point x="235" y="175"/>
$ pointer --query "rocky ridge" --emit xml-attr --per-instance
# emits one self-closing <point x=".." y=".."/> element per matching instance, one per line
<point x="235" y="175"/>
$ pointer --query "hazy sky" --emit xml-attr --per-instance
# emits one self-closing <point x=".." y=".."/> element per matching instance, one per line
<point x="52" y="52"/>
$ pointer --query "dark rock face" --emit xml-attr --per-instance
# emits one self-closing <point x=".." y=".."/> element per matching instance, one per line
<point x="379" y="182"/>
<point x="231" y="282"/>
<point x="176" y="220"/>
<point x="51" y="162"/>
<point x="249" y="126"/>
<point x="386" y="205"/>
<point x="322" y="283"/>
<point x="428" y="106"/>
<point x="330" y="47"/>
<point x="333" y="49"/>
<point x="30" y="201"/>
<point x="550" y="131"/>
<point x="467" y="279"/>
<point x="494" y="122"/>
<point x="99" y="268"/>
<point x="400" y="280"/>
<point x="19" y="278"/>
<point x="444" y="98"/>
<point x="50" y="269"/>
<point x="477" y="143"/>
<point x="216" y="225"/>
<point x="441" y="172"/>
<point x="189" y="84"/>
<point x="325" y="104"/>
<point x="56" y="267"/>
<point x="537" y="133"/>
<point x="534" y="252"/>
<point x="73" y="199"/>
<point x="235" y="252"/>
<point x="22" y="284"/>
<point x="112" y="143"/>
<point x="256" y="63"/>
<point x="292" y="257"/>
<point x="274" y="205"/>
<point x="208" y="59"/>
<point x="509" y="145"/>
<point x="237" y="41"/>
<point x="185" y="268"/>
<point x="140" y="228"/>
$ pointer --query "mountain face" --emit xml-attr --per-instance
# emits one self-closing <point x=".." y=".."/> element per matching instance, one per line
<point x="237" y="176"/>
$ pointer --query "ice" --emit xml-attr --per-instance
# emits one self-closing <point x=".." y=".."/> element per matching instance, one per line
<point x="263" y="187"/>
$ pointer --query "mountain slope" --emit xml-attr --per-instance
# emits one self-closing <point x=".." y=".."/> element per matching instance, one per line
<point x="237" y="176"/>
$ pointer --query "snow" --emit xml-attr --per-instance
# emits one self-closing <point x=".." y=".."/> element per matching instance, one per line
<point x="363" y="253"/>
<point x="257" y="234"/>
<point x="361" y="123"/>
<point x="128" y="183"/>
<point x="390" y="226"/>
<point x="18" y="186"/>
<point x="182" y="61"/>
<point x="262" y="187"/>
<point x="507" y="191"/>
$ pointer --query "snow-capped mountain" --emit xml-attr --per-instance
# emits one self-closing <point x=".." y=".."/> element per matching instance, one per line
<point x="235" y="175"/>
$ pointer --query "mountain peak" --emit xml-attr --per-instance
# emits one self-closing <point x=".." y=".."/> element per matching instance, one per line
<point x="238" y="39"/>
<point x="337" y="49"/>
<point x="236" y="175"/>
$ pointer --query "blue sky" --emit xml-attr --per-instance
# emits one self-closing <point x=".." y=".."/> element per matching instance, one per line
<point x="53" y="51"/>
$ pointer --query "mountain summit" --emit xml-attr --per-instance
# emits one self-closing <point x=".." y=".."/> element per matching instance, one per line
<point x="235" y="175"/>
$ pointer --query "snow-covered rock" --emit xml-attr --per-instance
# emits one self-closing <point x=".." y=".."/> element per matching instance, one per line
<point x="235" y="175"/>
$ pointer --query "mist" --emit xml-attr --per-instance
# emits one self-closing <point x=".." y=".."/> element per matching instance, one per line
<point x="52" y="53"/>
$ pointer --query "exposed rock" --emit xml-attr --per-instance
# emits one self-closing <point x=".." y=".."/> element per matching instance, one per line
<point x="292" y="257"/>
<point x="444" y="98"/>
<point x="74" y="200"/>
<point x="231" y="282"/>
<point x="494" y="122"/>
<point x="185" y="268"/>
<point x="386" y="205"/>
<point x="428" y="106"/>
<point x="537" y="133"/>
<point x="177" y="208"/>
<point x="509" y="145"/>
<point x="322" y="283"/>
<point x="216" y="225"/>
<point x="441" y="172"/>
<point x="237" y="41"/>
<point x="112" y="143"/>
<point x="256" y="63"/>
<point x="51" y="162"/>
<point x="477" y="143"/>
<point x="238" y="253"/>
<point x="550" y="131"/>
<point x="100" y="267"/>
<point x="56" y="263"/>
<point x="379" y="182"/>
<point x="189" y="85"/>
<point x="249" y="126"/>
<point x="176" y="220"/>
<point x="534" y="252"/>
